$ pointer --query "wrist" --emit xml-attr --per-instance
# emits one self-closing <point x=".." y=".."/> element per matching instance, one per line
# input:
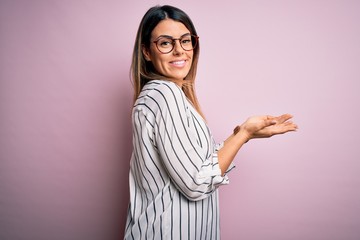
<point x="239" y="131"/>
<point x="236" y="129"/>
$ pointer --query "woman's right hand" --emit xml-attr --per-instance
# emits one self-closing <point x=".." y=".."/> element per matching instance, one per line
<point x="266" y="126"/>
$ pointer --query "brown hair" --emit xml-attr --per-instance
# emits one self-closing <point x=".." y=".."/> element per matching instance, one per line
<point x="143" y="71"/>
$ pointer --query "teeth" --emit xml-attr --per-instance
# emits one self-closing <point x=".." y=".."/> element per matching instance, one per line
<point x="178" y="62"/>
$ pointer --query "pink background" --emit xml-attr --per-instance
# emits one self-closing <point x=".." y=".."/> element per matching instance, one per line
<point x="65" y="101"/>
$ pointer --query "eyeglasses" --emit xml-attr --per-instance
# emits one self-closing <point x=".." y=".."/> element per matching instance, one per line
<point x="166" y="44"/>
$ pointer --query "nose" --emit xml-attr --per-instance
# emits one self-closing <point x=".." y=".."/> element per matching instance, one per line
<point x="178" y="50"/>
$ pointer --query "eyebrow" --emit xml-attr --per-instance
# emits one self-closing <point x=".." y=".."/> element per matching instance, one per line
<point x="168" y="36"/>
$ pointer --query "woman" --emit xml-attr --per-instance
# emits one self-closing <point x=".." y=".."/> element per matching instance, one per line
<point x="176" y="167"/>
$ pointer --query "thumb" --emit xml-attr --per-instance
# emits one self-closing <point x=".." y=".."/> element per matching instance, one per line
<point x="269" y="121"/>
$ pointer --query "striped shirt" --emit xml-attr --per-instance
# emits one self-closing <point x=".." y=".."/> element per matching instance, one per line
<point x="174" y="170"/>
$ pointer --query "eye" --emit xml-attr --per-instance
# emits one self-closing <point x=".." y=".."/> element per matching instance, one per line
<point x="186" y="41"/>
<point x="164" y="42"/>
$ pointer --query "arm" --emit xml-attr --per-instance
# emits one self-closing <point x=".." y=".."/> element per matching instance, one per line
<point x="185" y="146"/>
<point x="254" y="127"/>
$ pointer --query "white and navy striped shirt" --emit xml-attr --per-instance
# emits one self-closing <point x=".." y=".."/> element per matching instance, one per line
<point x="174" y="171"/>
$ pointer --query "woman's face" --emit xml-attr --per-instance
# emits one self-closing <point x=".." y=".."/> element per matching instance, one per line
<point x="176" y="64"/>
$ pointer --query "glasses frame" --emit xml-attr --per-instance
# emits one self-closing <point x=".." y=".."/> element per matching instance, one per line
<point x="195" y="37"/>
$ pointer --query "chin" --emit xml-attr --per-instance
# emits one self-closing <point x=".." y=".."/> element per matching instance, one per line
<point x="177" y="78"/>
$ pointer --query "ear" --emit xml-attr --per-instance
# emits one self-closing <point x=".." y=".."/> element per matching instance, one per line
<point x="146" y="53"/>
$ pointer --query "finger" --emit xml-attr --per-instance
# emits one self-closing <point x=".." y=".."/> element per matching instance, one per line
<point x="270" y="121"/>
<point x="290" y="127"/>
<point x="269" y="117"/>
<point x="283" y="130"/>
<point x="283" y="118"/>
<point x="288" y="123"/>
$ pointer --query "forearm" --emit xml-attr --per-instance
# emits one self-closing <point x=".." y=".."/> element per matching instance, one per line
<point x="231" y="147"/>
<point x="254" y="127"/>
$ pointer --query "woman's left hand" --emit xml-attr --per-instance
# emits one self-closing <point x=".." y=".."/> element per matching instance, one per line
<point x="281" y="125"/>
<point x="266" y="126"/>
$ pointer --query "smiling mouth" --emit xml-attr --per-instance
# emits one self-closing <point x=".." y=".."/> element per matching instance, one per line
<point x="179" y="63"/>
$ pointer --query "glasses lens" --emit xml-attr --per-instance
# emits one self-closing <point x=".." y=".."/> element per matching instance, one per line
<point x="187" y="42"/>
<point x="165" y="45"/>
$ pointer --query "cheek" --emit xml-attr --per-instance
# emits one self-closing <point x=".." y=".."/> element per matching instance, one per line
<point x="191" y="57"/>
<point x="159" y="62"/>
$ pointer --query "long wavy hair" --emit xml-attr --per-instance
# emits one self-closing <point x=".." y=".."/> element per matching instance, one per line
<point x="143" y="71"/>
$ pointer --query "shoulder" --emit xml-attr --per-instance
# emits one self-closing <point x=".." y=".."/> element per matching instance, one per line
<point x="161" y="94"/>
<point x="162" y="90"/>
<point x="161" y="85"/>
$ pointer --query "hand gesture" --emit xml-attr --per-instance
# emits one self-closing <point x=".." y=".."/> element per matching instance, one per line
<point x="266" y="126"/>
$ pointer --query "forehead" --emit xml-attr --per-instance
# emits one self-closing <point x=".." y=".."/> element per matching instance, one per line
<point x="169" y="27"/>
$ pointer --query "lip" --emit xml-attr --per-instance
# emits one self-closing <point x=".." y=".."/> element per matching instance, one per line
<point x="179" y="63"/>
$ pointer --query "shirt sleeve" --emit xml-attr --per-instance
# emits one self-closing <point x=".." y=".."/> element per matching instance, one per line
<point x="195" y="172"/>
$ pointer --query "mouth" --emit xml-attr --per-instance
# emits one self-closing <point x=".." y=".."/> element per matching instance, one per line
<point x="178" y="63"/>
